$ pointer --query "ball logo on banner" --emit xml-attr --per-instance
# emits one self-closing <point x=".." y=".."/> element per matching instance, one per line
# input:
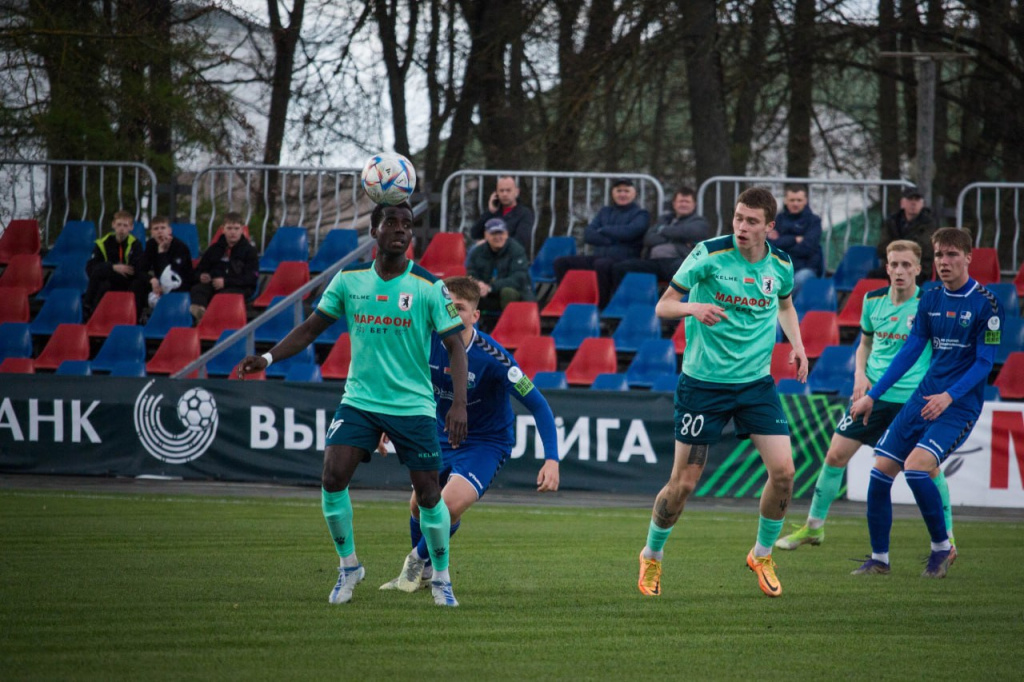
<point x="196" y="417"/>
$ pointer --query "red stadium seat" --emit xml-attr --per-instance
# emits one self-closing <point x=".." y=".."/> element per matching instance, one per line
<point x="781" y="368"/>
<point x="255" y="376"/>
<point x="518" y="320"/>
<point x="17" y="366"/>
<point x="818" y="330"/>
<point x="337" y="361"/>
<point x="116" y="307"/>
<point x="984" y="265"/>
<point x="1010" y="380"/>
<point x="445" y="255"/>
<point x="24" y="270"/>
<point x="289" y="276"/>
<point x="536" y="354"/>
<point x="68" y="342"/>
<point x="1018" y="282"/>
<point x="851" y="312"/>
<point x="226" y="311"/>
<point x="578" y="286"/>
<point x="14" y="305"/>
<point x="595" y="356"/>
<point x="679" y="337"/>
<point x="179" y="348"/>
<point x="20" y="237"/>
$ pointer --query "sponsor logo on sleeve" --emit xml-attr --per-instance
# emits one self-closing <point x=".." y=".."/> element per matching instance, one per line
<point x="993" y="323"/>
<point x="452" y="312"/>
<point x="992" y="338"/>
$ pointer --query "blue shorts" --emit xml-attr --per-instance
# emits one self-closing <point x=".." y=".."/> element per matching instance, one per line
<point x="940" y="437"/>
<point x="477" y="463"/>
<point x="414" y="438"/>
<point x="703" y="408"/>
<point x="881" y="417"/>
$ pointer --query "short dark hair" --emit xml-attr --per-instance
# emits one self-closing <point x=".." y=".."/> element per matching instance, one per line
<point x="686" y="192"/>
<point x="233" y="217"/>
<point x="159" y="220"/>
<point x="378" y="212"/>
<point x="957" y="237"/>
<point x="464" y="287"/>
<point x="762" y="198"/>
<point x="795" y="187"/>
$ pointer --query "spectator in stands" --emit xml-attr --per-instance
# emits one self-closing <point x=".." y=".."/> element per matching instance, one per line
<point x="504" y="204"/>
<point x="669" y="241"/>
<point x="501" y="268"/>
<point x="229" y="266"/>
<point x="615" y="234"/>
<point x="914" y="222"/>
<point x="115" y="265"/>
<point x="166" y="262"/>
<point x="797" y="231"/>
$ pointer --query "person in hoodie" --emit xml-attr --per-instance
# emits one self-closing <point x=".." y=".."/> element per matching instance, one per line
<point x="166" y="262"/>
<point x="229" y="266"/>
<point x="798" y="233"/>
<point x="115" y="265"/>
<point x="914" y="222"/>
<point x="500" y="268"/>
<point x="615" y="234"/>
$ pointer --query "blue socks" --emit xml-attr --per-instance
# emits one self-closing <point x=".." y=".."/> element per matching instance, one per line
<point x="879" y="511"/>
<point x="930" y="502"/>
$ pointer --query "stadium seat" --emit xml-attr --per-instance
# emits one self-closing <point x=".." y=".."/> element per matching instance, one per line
<point x="75" y="368"/>
<point x="595" y="356"/>
<point x="304" y="371"/>
<point x="578" y="286"/>
<point x="445" y="255"/>
<point x="280" y="367"/>
<point x="635" y="288"/>
<point x="225" y="363"/>
<point x="851" y="312"/>
<point x="992" y="394"/>
<point x="254" y="376"/>
<point x="1018" y="281"/>
<point x="62" y="306"/>
<point x="793" y="387"/>
<point x="818" y="329"/>
<point x="20" y="237"/>
<point x="128" y="368"/>
<point x="24" y="271"/>
<point x="226" y="311"/>
<point x="289" y="276"/>
<point x="638" y="325"/>
<point x="1006" y="294"/>
<point x="536" y="354"/>
<point x="1010" y="380"/>
<point x="817" y="293"/>
<point x="833" y="373"/>
<point x="550" y="381"/>
<point x="116" y="307"/>
<point x="857" y="262"/>
<point x="781" y="367"/>
<point x="336" y="245"/>
<point x="984" y="265"/>
<point x="280" y="324"/>
<point x="517" y="321"/>
<point x="1011" y="339"/>
<point x="68" y="342"/>
<point x="610" y="381"/>
<point x="124" y="344"/>
<point x="17" y="366"/>
<point x="178" y="349"/>
<point x="15" y="340"/>
<point x="579" y="322"/>
<point x="288" y="243"/>
<point x="679" y="337"/>
<point x="666" y="383"/>
<point x="337" y="362"/>
<point x="139" y="231"/>
<point x="188" y="233"/>
<point x="542" y="269"/>
<point x="70" y="274"/>
<point x="74" y="242"/>
<point x="14" y="305"/>
<point x="170" y="311"/>
<point x="655" y="357"/>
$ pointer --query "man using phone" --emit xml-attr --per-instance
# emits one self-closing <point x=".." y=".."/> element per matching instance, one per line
<point x="504" y="204"/>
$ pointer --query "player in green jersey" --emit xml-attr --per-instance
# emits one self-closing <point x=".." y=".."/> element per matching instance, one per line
<point x="737" y="286"/>
<point x="391" y="305"/>
<point x="885" y="322"/>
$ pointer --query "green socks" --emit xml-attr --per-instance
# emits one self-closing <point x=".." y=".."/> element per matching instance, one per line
<point x="768" y="532"/>
<point x="947" y="510"/>
<point x="436" y="525"/>
<point x="825" y="491"/>
<point x="657" y="536"/>
<point x="337" y="509"/>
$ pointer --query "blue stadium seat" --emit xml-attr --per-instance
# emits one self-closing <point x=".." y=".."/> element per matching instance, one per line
<point x="542" y="269"/>
<point x="655" y="358"/>
<point x="818" y="293"/>
<point x="665" y="382"/>
<point x="75" y="368"/>
<point x="992" y="394"/>
<point x="128" y="368"/>
<point x="77" y="238"/>
<point x="139" y="232"/>
<point x="225" y="362"/>
<point x="1011" y="340"/>
<point x="70" y="274"/>
<point x="833" y="371"/>
<point x="638" y="325"/>
<point x="125" y="344"/>
<point x="793" y="387"/>
<point x="307" y="371"/>
<point x="336" y="245"/>
<point x="15" y="340"/>
<point x="580" y="321"/>
<point x="550" y="380"/>
<point x="278" y="326"/>
<point x="610" y="381"/>
<point x="170" y="311"/>
<point x="61" y="306"/>
<point x="1006" y="294"/>
<point x="635" y="288"/>
<point x="288" y="243"/>
<point x="332" y="333"/>
<point x="280" y="369"/>
<point x="857" y="262"/>
<point x="188" y="233"/>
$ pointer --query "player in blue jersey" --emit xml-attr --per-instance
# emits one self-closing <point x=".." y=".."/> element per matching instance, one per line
<point x="469" y="470"/>
<point x="392" y="307"/>
<point x="962" y="321"/>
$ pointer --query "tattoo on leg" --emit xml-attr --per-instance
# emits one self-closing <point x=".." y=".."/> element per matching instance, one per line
<point x="663" y="516"/>
<point x="698" y="454"/>
<point x="784" y="504"/>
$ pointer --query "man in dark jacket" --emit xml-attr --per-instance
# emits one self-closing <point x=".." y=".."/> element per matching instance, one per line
<point x="798" y="232"/>
<point x="615" y="234"/>
<point x="504" y="204"/>
<point x="914" y="222"/>
<point x="115" y="265"/>
<point x="501" y="268"/>
<point x="229" y="266"/>
<point x="669" y="241"/>
<point x="166" y="262"/>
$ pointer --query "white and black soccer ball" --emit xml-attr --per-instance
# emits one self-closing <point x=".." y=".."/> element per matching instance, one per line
<point x="197" y="409"/>
<point x="389" y="178"/>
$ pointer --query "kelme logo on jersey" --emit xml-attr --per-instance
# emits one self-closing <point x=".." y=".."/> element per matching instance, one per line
<point x="404" y="301"/>
<point x="768" y="284"/>
<point x="176" y="443"/>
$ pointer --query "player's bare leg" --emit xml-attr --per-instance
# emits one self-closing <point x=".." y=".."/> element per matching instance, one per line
<point x="777" y="454"/>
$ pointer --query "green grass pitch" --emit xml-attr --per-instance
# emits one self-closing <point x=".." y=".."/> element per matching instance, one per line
<point x="122" y="586"/>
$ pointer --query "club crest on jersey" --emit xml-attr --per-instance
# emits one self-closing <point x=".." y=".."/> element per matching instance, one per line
<point x="768" y="284"/>
<point x="965" y="318"/>
<point x="404" y="301"/>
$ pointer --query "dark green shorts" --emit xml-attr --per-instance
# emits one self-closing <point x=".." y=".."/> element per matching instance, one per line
<point x="703" y="408"/>
<point x="414" y="438"/>
<point x="882" y="414"/>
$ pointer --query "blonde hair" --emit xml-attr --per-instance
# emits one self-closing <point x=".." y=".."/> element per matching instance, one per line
<point x="904" y="245"/>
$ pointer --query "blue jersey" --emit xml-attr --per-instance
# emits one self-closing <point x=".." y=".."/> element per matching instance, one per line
<point x="493" y="376"/>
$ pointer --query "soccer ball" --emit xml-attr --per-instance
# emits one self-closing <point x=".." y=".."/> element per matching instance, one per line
<point x="389" y="178"/>
<point x="197" y="409"/>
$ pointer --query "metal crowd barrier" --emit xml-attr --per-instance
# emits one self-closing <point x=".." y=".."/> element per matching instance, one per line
<point x="995" y="203"/>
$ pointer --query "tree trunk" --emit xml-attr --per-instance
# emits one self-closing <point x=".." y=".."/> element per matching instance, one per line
<point x="750" y="85"/>
<point x="161" y="85"/>
<point x="888" y="105"/>
<point x="799" y="150"/>
<point x="910" y="25"/>
<point x="285" y="39"/>
<point x="396" y="65"/>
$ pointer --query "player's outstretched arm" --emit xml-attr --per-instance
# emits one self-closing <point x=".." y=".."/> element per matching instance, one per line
<point x="456" y="419"/>
<point x="297" y="339"/>
<point x="791" y="328"/>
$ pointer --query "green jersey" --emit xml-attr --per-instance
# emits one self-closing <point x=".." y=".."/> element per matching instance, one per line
<point x="738" y="349"/>
<point x="888" y="326"/>
<point x="390" y="323"/>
